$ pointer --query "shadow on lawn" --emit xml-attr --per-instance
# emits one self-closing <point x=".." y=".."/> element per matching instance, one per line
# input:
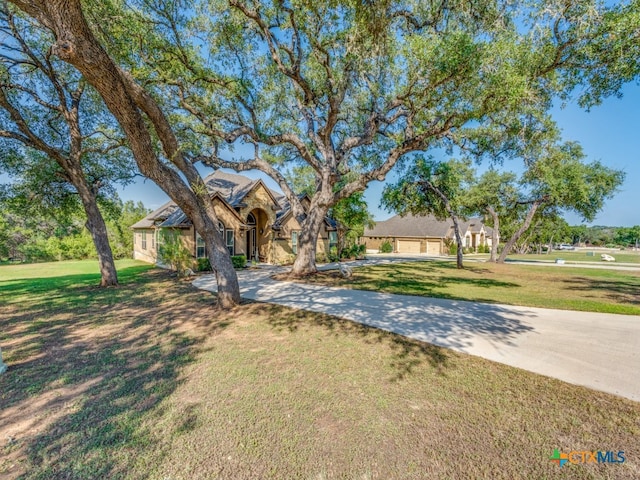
<point x="616" y="290"/>
<point x="90" y="363"/>
<point x="407" y="353"/>
<point x="428" y="281"/>
<point x="424" y="324"/>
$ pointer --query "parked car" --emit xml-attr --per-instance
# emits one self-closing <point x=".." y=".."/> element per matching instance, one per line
<point x="607" y="258"/>
<point x="566" y="246"/>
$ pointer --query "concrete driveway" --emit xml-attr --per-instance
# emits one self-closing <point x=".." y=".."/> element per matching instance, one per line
<point x="600" y="351"/>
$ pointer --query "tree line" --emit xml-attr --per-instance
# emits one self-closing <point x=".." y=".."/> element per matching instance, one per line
<point x="32" y="234"/>
<point x="348" y="89"/>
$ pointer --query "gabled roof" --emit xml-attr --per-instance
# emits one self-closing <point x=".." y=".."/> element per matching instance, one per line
<point x="410" y="226"/>
<point x="160" y="214"/>
<point x="233" y="188"/>
<point x="286" y="212"/>
<point x="421" y="226"/>
<point x="230" y="188"/>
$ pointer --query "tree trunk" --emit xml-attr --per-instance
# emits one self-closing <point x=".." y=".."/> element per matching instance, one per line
<point x="523" y="228"/>
<point x="228" y="289"/>
<point x="76" y="44"/>
<point x="95" y="221"/>
<point x="305" y="262"/>
<point x="98" y="230"/>
<point x="454" y="218"/>
<point x="495" y="234"/>
<point x="456" y="231"/>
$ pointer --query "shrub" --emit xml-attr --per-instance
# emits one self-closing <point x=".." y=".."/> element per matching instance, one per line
<point x="386" y="247"/>
<point x="333" y="254"/>
<point x="204" y="265"/>
<point x="357" y="251"/>
<point x="239" y="261"/>
<point x="453" y="249"/>
<point x="174" y="254"/>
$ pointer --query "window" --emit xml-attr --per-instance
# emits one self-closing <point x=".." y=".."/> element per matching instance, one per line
<point x="201" y="251"/>
<point x="251" y="220"/>
<point x="144" y="240"/>
<point x="230" y="242"/>
<point x="153" y="241"/>
<point x="221" y="228"/>
<point x="294" y="242"/>
<point x="333" y="240"/>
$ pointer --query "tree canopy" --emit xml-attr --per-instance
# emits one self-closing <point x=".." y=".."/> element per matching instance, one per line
<point x="349" y="87"/>
<point x="58" y="143"/>
<point x="343" y="87"/>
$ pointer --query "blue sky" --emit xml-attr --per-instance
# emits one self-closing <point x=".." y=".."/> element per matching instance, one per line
<point x="609" y="132"/>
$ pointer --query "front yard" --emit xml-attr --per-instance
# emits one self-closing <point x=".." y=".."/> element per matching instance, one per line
<point x="562" y="287"/>
<point x="148" y="381"/>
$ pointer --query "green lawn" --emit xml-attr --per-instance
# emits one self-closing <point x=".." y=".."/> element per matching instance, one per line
<point x="148" y="380"/>
<point x="593" y="290"/>
<point x="580" y="256"/>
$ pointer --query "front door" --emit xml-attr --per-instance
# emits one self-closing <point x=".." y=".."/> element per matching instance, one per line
<point x="252" y="244"/>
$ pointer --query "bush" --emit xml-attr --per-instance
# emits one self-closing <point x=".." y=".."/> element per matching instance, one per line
<point x="386" y="247"/>
<point x="204" y="265"/>
<point x="453" y="249"/>
<point x="239" y="261"/>
<point x="333" y="254"/>
<point x="357" y="251"/>
<point x="174" y="254"/>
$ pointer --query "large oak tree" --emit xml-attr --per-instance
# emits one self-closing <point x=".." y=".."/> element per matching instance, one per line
<point x="143" y="121"/>
<point x="55" y="140"/>
<point x="341" y="86"/>
<point x="352" y="86"/>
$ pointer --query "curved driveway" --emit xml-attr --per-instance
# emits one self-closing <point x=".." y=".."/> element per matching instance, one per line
<point x="600" y="351"/>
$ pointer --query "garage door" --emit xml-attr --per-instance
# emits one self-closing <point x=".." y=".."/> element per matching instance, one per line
<point x="433" y="248"/>
<point x="408" y="246"/>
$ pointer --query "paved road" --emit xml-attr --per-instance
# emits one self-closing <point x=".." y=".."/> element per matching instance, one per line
<point x="600" y="351"/>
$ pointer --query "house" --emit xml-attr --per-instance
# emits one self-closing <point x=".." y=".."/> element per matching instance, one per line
<point x="254" y="221"/>
<point x="425" y="234"/>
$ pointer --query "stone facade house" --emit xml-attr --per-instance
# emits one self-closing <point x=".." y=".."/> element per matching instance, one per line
<point x="254" y="220"/>
<point x="425" y="234"/>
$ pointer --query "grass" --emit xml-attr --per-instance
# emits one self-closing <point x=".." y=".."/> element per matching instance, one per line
<point x="593" y="290"/>
<point x="148" y="380"/>
<point x="580" y="256"/>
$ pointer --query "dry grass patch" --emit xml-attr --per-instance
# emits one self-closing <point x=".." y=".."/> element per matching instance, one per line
<point x="148" y="381"/>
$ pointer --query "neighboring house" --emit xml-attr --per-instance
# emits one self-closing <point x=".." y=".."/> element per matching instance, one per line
<point x="425" y="234"/>
<point x="254" y="221"/>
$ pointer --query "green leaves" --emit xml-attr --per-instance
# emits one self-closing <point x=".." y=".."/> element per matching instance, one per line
<point x="430" y="187"/>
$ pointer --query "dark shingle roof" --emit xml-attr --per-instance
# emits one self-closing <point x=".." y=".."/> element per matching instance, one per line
<point x="410" y="226"/>
<point x="159" y="214"/>
<point x="231" y="187"/>
<point x="420" y="226"/>
<point x="176" y="219"/>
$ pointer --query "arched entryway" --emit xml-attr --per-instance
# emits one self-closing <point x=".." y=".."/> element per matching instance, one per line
<point x="257" y="236"/>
